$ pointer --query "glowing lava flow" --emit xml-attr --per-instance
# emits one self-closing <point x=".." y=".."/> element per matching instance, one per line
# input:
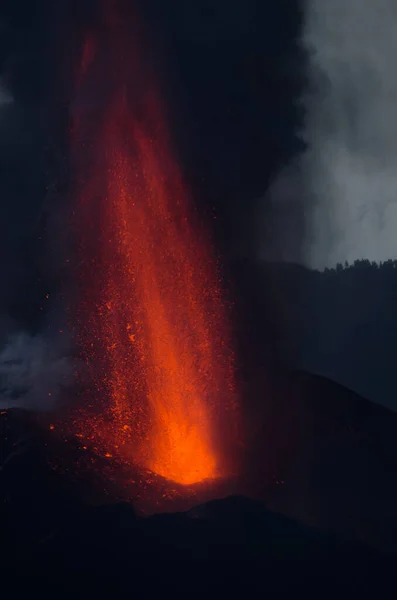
<point x="151" y="321"/>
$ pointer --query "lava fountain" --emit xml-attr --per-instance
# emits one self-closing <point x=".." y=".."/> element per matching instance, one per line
<point x="150" y="320"/>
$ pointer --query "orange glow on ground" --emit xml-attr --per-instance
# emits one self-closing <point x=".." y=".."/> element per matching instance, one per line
<point x="150" y="321"/>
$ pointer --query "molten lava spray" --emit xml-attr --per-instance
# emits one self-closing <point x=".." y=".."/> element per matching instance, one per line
<point x="151" y="321"/>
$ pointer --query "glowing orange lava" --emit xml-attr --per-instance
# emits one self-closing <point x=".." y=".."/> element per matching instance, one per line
<point x="151" y="321"/>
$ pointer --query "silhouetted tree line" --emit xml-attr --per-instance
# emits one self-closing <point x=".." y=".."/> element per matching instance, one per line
<point x="363" y="263"/>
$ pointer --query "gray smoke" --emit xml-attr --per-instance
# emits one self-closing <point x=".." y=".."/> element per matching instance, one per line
<point x="5" y="95"/>
<point x="347" y="189"/>
<point x="351" y="131"/>
<point x="35" y="371"/>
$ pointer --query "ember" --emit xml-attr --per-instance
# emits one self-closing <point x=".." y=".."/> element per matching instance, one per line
<point x="151" y="322"/>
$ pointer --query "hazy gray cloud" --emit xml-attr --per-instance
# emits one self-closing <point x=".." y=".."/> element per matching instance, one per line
<point x="350" y="168"/>
<point x="34" y="371"/>
<point x="5" y="95"/>
<point x="341" y="194"/>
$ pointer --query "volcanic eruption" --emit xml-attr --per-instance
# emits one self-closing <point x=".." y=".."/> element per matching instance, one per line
<point x="151" y="319"/>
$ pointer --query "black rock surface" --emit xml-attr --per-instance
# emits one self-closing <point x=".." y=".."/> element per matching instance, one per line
<point x="50" y="529"/>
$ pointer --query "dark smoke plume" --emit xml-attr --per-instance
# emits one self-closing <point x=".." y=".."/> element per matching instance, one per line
<point x="35" y="359"/>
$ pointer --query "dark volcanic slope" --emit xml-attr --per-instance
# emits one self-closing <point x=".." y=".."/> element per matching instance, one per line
<point x="318" y="453"/>
<point x="47" y="529"/>
<point x="339" y="457"/>
<point x="340" y="323"/>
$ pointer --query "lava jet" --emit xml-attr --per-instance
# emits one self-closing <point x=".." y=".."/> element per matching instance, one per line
<point x="151" y="320"/>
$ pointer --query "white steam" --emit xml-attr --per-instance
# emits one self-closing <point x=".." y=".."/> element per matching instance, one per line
<point x="347" y="189"/>
<point x="351" y="131"/>
<point x="34" y="372"/>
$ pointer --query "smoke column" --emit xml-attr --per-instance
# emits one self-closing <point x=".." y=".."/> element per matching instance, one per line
<point x="337" y="201"/>
<point x="34" y="370"/>
<point x="5" y="96"/>
<point x="351" y="131"/>
<point x="36" y="366"/>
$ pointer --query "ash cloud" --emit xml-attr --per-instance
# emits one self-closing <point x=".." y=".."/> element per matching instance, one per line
<point x="280" y="226"/>
<point x="36" y="366"/>
<point x="5" y="95"/>
<point x="347" y="189"/>
<point x="34" y="372"/>
<point x="351" y="131"/>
